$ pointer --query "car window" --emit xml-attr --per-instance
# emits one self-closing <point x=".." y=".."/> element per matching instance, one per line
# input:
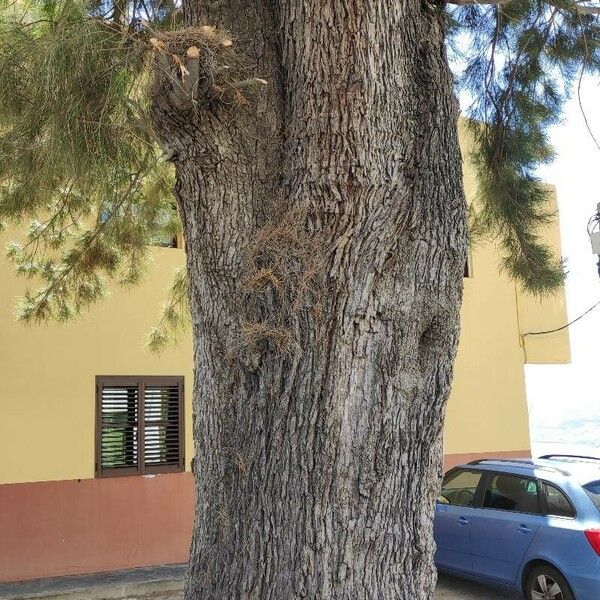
<point x="459" y="488"/>
<point x="511" y="492"/>
<point x="557" y="503"/>
<point x="593" y="491"/>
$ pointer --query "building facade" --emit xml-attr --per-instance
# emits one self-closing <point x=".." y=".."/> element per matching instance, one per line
<point x="96" y="431"/>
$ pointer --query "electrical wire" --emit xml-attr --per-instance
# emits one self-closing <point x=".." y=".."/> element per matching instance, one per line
<point x="592" y="227"/>
<point x="587" y="312"/>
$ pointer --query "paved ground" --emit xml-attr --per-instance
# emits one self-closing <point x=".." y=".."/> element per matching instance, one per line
<point x="449" y="588"/>
<point x="452" y="588"/>
<point x="165" y="583"/>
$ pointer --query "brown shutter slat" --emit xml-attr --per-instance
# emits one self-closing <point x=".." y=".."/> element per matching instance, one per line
<point x="118" y="427"/>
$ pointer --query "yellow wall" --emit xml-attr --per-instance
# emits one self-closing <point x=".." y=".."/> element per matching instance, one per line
<point x="487" y="410"/>
<point x="47" y="373"/>
<point x="545" y="314"/>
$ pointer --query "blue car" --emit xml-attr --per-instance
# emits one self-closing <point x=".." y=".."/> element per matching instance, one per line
<point x="531" y="525"/>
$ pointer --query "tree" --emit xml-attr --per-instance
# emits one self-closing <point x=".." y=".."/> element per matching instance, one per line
<point x="318" y="182"/>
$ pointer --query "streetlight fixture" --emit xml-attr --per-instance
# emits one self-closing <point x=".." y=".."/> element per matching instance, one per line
<point x="594" y="233"/>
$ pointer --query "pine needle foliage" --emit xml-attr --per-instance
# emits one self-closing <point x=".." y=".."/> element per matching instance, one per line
<point x="80" y="170"/>
<point x="78" y="161"/>
<point x="174" y="320"/>
<point x="520" y="61"/>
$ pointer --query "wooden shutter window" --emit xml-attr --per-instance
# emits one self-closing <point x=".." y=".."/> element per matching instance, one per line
<point x="162" y="426"/>
<point x="119" y="437"/>
<point x="139" y="425"/>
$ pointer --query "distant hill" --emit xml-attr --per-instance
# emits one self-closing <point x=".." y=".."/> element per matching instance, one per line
<point x="574" y="436"/>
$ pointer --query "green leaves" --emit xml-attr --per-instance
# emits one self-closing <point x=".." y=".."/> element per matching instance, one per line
<point x="78" y="160"/>
<point x="175" y="318"/>
<point x="77" y="157"/>
<point x="515" y="208"/>
<point x="519" y="61"/>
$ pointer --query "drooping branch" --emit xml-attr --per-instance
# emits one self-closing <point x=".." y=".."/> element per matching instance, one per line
<point x="97" y="198"/>
<point x="518" y="63"/>
<point x="477" y="2"/>
<point x="587" y="9"/>
<point x="580" y="6"/>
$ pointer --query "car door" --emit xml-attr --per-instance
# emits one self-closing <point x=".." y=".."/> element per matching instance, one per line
<point x="504" y="528"/>
<point x="454" y="512"/>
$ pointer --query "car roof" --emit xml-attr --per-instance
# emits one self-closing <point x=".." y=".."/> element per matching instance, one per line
<point x="582" y="469"/>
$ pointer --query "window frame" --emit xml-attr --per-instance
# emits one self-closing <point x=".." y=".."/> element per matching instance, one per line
<point x="488" y="478"/>
<point x="590" y="494"/>
<point x="545" y="504"/>
<point x="141" y="381"/>
<point x="468" y="268"/>
<point x="478" y="492"/>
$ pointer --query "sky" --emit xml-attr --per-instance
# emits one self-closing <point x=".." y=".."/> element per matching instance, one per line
<point x="564" y="400"/>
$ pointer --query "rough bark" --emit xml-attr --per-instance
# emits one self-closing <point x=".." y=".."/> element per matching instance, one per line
<point x="326" y="238"/>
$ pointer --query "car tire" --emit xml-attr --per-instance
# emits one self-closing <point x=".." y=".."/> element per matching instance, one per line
<point x="544" y="581"/>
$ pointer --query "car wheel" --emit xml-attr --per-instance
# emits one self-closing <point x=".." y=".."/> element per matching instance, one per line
<point x="546" y="583"/>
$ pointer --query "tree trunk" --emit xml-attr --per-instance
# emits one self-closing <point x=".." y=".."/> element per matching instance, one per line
<point x="326" y="237"/>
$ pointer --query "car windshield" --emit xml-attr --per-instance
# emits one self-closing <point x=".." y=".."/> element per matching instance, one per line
<point x="593" y="491"/>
